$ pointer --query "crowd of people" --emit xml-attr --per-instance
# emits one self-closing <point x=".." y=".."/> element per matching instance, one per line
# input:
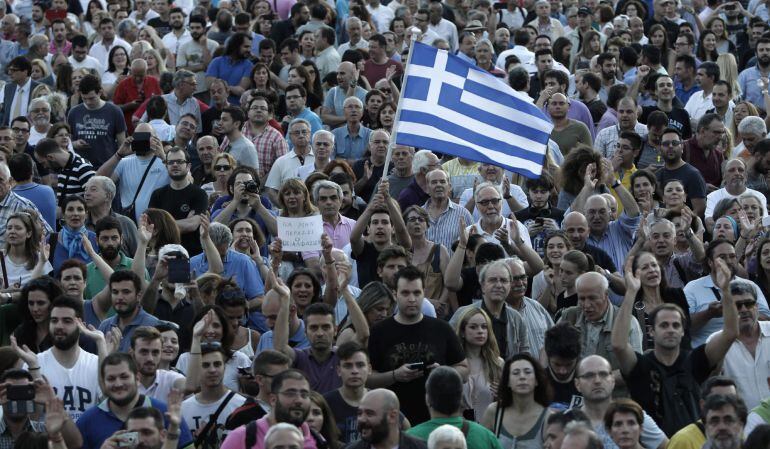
<point x="152" y="151"/>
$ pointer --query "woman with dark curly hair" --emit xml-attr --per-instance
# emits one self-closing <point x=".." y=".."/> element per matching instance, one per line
<point x="517" y="418"/>
<point x="573" y="171"/>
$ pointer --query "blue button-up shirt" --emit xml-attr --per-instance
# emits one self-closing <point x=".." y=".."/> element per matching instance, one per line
<point x="142" y="319"/>
<point x="349" y="146"/>
<point x="618" y="238"/>
<point x="752" y="93"/>
<point x="238" y="266"/>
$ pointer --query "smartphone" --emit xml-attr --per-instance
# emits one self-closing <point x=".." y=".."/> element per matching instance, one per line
<point x="179" y="269"/>
<point x="418" y="365"/>
<point x="20" y="399"/>
<point x="141" y="142"/>
<point x="128" y="440"/>
<point x="499" y="5"/>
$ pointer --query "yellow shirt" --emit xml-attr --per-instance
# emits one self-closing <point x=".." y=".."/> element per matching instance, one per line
<point x="690" y="437"/>
<point x="625" y="178"/>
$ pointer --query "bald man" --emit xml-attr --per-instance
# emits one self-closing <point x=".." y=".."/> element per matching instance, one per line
<point x="128" y="165"/>
<point x="379" y="423"/>
<point x="333" y="109"/>
<point x="132" y="91"/>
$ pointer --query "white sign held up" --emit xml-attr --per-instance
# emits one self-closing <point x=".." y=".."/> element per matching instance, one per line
<point x="300" y="234"/>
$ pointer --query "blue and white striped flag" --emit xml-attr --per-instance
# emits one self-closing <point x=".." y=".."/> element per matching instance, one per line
<point x="454" y="107"/>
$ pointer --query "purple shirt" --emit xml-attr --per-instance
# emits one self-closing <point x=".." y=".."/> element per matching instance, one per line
<point x="413" y="194"/>
<point x="610" y="118"/>
<point x="323" y="376"/>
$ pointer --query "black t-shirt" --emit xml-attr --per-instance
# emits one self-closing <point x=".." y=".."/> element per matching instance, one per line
<point x="677" y="118"/>
<point x="670" y="394"/>
<point x="600" y="257"/>
<point x="392" y="344"/>
<point x="689" y="176"/>
<point x="179" y="203"/>
<point x="597" y="109"/>
<point x="368" y="190"/>
<point x="527" y="217"/>
<point x="367" y="264"/>
<point x="161" y="26"/>
<point x="346" y="416"/>
<point x="471" y="287"/>
<point x="563" y="392"/>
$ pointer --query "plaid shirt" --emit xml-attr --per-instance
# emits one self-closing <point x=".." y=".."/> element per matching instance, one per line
<point x="6" y="439"/>
<point x="270" y="146"/>
<point x="11" y="204"/>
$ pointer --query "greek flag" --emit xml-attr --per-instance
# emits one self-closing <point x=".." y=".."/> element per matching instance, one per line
<point x="453" y="107"/>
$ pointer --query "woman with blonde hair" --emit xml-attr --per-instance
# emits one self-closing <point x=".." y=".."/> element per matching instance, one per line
<point x="149" y="34"/>
<point x="741" y="110"/>
<point x="728" y="71"/>
<point x="155" y="64"/>
<point x="39" y="70"/>
<point x="222" y="167"/>
<point x="138" y="49"/>
<point x="58" y="102"/>
<point x="480" y="345"/>
<point x="40" y="91"/>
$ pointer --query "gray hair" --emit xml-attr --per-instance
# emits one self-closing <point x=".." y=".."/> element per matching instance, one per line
<point x="39" y="101"/>
<point x="282" y="427"/>
<point x="171" y="248"/>
<point x="486" y="42"/>
<point x="106" y="184"/>
<point x="446" y="434"/>
<point x="578" y="428"/>
<point x="752" y="125"/>
<point x="125" y="26"/>
<point x="739" y="287"/>
<point x="484" y="185"/>
<point x="355" y="100"/>
<point x="220" y="234"/>
<point x="420" y="160"/>
<point x="500" y="263"/>
<point x="139" y="62"/>
<point x="38" y="39"/>
<point x="352" y="19"/>
<point x="665" y="222"/>
<point x="747" y="195"/>
<point x="323" y="132"/>
<point x="378" y="130"/>
<point x="299" y="121"/>
<point x="594" y="278"/>
<point x="324" y="184"/>
<point x="180" y="76"/>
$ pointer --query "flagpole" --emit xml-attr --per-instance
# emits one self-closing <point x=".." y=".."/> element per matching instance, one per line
<point x="392" y="144"/>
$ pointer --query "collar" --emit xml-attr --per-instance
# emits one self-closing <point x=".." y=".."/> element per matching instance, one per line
<point x="295" y="155"/>
<point x="144" y="401"/>
<point x="450" y="205"/>
<point x="606" y="321"/>
<point x="503" y="318"/>
<point x="26" y="85"/>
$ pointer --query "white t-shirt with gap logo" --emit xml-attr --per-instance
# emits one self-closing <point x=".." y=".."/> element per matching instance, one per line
<point x="78" y="387"/>
<point x="197" y="414"/>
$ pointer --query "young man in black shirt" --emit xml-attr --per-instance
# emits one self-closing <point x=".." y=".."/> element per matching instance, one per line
<point x="678" y="118"/>
<point x="405" y="347"/>
<point x="665" y="381"/>
<point x="562" y="350"/>
<point x="540" y="218"/>
<point x="182" y="199"/>
<point x="353" y="368"/>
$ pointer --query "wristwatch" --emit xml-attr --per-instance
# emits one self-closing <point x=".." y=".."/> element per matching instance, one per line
<point x="616" y="184"/>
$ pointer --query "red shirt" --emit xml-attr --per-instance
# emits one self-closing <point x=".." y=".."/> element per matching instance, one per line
<point x="375" y="72"/>
<point x="127" y="91"/>
<point x="709" y="166"/>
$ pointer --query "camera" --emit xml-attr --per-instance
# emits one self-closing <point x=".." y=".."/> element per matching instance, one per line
<point x="251" y="186"/>
<point x="178" y="268"/>
<point x="141" y="143"/>
<point x="128" y="440"/>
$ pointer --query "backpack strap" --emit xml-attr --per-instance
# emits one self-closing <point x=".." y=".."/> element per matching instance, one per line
<point x="141" y="183"/>
<point x="212" y="424"/>
<point x="498" y="419"/>
<point x="251" y="435"/>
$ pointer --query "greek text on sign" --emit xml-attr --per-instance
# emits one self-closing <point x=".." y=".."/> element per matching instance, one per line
<point x="300" y="234"/>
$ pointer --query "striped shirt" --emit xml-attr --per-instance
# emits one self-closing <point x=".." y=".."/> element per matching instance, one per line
<point x="444" y="229"/>
<point x="538" y="321"/>
<point x="73" y="177"/>
<point x="618" y="238"/>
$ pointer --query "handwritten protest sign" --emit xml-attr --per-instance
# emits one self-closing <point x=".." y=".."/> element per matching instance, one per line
<point x="300" y="234"/>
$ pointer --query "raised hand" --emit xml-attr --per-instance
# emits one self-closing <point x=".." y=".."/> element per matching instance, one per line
<point x="89" y="330"/>
<point x="201" y="326"/>
<point x="25" y="354"/>
<point x="276" y="251"/>
<point x="55" y="416"/>
<point x="608" y="172"/>
<point x="506" y="187"/>
<point x="463" y="234"/>
<point x="384" y="188"/>
<point x="326" y="246"/>
<point x="113" y="337"/>
<point x="279" y="286"/>
<point x="368" y="170"/>
<point x="590" y="179"/>
<point x="146" y="229"/>
<point x="723" y="275"/>
<point x="86" y="242"/>
<point x="174" y="407"/>
<point x="204" y="226"/>
<point x="633" y="284"/>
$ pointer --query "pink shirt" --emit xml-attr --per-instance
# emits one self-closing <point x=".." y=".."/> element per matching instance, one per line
<point x="339" y="234"/>
<point x="237" y="438"/>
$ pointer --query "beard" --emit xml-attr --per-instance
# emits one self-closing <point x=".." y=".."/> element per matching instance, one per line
<point x="108" y="252"/>
<point x="125" y="401"/>
<point x="284" y="414"/>
<point x="177" y="177"/>
<point x="125" y="313"/>
<point x="378" y="432"/>
<point x="66" y="341"/>
<point x="733" y="442"/>
<point x="764" y="61"/>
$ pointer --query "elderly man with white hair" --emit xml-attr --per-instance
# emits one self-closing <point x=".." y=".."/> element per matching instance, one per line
<point x="39" y="115"/>
<point x="544" y="23"/>
<point x="352" y="137"/>
<point x="416" y="193"/>
<point x="99" y="193"/>
<point x="751" y="130"/>
<point x="355" y="31"/>
<point x="284" y="436"/>
<point x="595" y="317"/>
<point x="323" y="146"/>
<point x="734" y="186"/>
<point x="511" y="234"/>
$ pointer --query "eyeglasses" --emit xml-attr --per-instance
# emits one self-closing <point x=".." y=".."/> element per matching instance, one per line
<point x="292" y="394"/>
<point x="671" y="143"/>
<point x="603" y="375"/>
<point x="222" y="167"/>
<point x="492" y="201"/>
<point x="19" y="130"/>
<point x="177" y="162"/>
<point x="744" y="304"/>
